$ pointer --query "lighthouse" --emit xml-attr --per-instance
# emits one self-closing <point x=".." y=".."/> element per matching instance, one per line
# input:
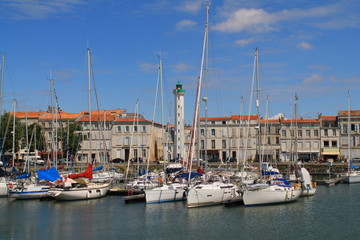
<point x="179" y="135"/>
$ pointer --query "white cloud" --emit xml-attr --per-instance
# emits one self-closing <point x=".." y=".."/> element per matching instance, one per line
<point x="244" y="42"/>
<point x="191" y="6"/>
<point x="304" y="45"/>
<point x="253" y="20"/>
<point x="184" y="24"/>
<point x="36" y="9"/>
<point x="180" y="67"/>
<point x="260" y="20"/>
<point x="148" y="67"/>
<point x="313" y="79"/>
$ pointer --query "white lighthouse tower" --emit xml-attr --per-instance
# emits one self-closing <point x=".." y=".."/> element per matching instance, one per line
<point x="179" y="135"/>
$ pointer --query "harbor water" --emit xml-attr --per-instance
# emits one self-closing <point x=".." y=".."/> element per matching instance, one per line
<point x="333" y="213"/>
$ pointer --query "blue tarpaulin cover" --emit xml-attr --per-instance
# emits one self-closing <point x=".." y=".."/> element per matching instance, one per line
<point x="23" y="176"/>
<point x="353" y="166"/>
<point x="98" y="168"/>
<point x="193" y="174"/>
<point x="48" y="174"/>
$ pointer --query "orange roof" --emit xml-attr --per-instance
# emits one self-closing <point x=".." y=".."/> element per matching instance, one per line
<point x="233" y="117"/>
<point x="313" y="120"/>
<point x="28" y="114"/>
<point x="60" y="115"/>
<point x="328" y="118"/>
<point x="352" y="112"/>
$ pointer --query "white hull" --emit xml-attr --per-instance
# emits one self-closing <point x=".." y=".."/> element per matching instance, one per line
<point x="81" y="193"/>
<point x="353" y="177"/>
<point x="4" y="190"/>
<point x="210" y="194"/>
<point x="307" y="186"/>
<point x="270" y="195"/>
<point x="31" y="191"/>
<point x="166" y="193"/>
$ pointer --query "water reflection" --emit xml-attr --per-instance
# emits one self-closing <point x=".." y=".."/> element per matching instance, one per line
<point x="331" y="214"/>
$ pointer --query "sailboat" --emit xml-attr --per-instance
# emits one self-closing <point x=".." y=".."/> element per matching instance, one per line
<point x="353" y="175"/>
<point x="69" y="189"/>
<point x="72" y="190"/>
<point x="169" y="191"/>
<point x="216" y="191"/>
<point x="3" y="181"/>
<point x="276" y="190"/>
<point x="35" y="189"/>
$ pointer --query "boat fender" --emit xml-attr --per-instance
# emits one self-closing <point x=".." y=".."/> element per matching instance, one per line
<point x="314" y="184"/>
<point x="160" y="179"/>
<point x="10" y="185"/>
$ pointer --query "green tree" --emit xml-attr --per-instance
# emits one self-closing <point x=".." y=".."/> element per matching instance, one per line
<point x="6" y="132"/>
<point x="36" y="138"/>
<point x="70" y="138"/>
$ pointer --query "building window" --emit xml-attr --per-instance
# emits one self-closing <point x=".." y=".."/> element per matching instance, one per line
<point x="202" y="144"/>
<point x="224" y="122"/>
<point x="223" y="143"/>
<point x="202" y="132"/>
<point x="326" y="132"/>
<point x="307" y="133"/>
<point x="334" y="132"/>
<point x="268" y="140"/>
<point x="300" y="133"/>
<point x="135" y="128"/>
<point x="316" y="133"/>
<point x="118" y="129"/>
<point x="316" y="144"/>
<point x="299" y="144"/>
<point x="283" y="145"/>
<point x="213" y="132"/>
<point x="127" y="141"/>
<point x="292" y="133"/>
<point x="127" y="129"/>
<point x="284" y="133"/>
<point x="213" y="144"/>
<point x="143" y="128"/>
<point x="334" y="144"/>
<point x="277" y="140"/>
<point x="326" y="144"/>
<point x="308" y="145"/>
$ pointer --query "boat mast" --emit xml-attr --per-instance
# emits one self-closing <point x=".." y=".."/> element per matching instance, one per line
<point x="13" y="147"/>
<point x="1" y="102"/>
<point x="197" y="100"/>
<point x="348" y="131"/>
<point x="89" y="103"/>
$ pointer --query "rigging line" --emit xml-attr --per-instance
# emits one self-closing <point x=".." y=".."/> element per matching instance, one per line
<point x="101" y="130"/>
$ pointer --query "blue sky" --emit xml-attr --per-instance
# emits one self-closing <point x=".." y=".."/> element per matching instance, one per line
<point x="307" y="47"/>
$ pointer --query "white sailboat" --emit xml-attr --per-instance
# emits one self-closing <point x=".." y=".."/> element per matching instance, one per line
<point x="3" y="181"/>
<point x="168" y="192"/>
<point x="72" y="190"/>
<point x="218" y="191"/>
<point x="276" y="190"/>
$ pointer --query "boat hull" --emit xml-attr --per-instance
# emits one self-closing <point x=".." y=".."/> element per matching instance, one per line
<point x="270" y="196"/>
<point x="30" y="192"/>
<point x="68" y="194"/>
<point x="210" y="195"/>
<point x="167" y="193"/>
<point x="352" y="178"/>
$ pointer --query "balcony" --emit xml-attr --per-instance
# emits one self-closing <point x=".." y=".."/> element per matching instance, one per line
<point x="330" y="151"/>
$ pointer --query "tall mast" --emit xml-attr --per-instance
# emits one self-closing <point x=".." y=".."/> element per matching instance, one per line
<point x="2" y="83"/>
<point x="257" y="101"/>
<point x="197" y="101"/>
<point x="349" y="132"/>
<point x="89" y="102"/>
<point x="14" y="127"/>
